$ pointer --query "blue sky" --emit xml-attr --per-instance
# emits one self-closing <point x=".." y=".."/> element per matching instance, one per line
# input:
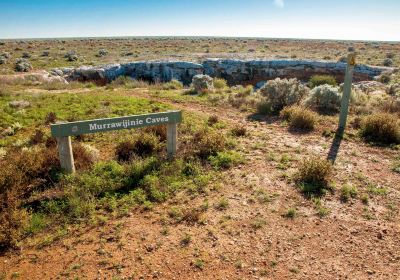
<point x="316" y="19"/>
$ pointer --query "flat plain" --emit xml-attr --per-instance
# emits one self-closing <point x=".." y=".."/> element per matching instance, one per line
<point x="231" y="205"/>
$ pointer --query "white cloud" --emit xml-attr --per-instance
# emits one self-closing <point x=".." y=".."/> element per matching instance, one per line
<point x="279" y="3"/>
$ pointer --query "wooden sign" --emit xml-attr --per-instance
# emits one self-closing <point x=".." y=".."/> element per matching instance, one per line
<point x="64" y="131"/>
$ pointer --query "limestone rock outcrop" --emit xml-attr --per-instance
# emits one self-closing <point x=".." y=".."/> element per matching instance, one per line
<point x="234" y="71"/>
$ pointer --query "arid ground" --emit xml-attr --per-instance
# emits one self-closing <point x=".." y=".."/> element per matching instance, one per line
<point x="247" y="220"/>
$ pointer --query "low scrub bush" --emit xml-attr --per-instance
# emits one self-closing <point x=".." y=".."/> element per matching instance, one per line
<point x="280" y="93"/>
<point x="71" y="56"/>
<point x="348" y="191"/>
<point x="208" y="142"/>
<point x="144" y="145"/>
<point x="313" y="175"/>
<point x="128" y="82"/>
<point x="212" y="120"/>
<point x="22" y="65"/>
<point x="318" y="80"/>
<point x="220" y="83"/>
<point x="324" y="98"/>
<point x="239" y="131"/>
<point x="202" y="83"/>
<point x="173" y="84"/>
<point x="381" y="128"/>
<point x="22" y="173"/>
<point x="224" y="160"/>
<point x="102" y="52"/>
<point x="299" y="117"/>
<point x="388" y="62"/>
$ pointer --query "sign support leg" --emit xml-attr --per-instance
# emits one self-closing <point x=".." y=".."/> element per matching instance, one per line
<point x="65" y="154"/>
<point x="172" y="139"/>
<point x="344" y="108"/>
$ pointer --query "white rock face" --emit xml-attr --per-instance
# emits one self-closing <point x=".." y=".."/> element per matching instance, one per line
<point x="234" y="71"/>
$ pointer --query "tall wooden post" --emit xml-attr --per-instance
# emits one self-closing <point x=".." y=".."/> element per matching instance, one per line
<point x="65" y="154"/>
<point x="344" y="108"/>
<point x="172" y="139"/>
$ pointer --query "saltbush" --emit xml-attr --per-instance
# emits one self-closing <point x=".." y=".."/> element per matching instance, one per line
<point x="280" y="93"/>
<point x="71" y="56"/>
<point x="381" y="128"/>
<point x="324" y="98"/>
<point x="299" y="117"/>
<point x="388" y="62"/>
<point x="102" y="52"/>
<point x="202" y="83"/>
<point x="318" y="80"/>
<point x="22" y="65"/>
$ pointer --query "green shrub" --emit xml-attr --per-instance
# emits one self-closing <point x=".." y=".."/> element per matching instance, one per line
<point x="173" y="84"/>
<point x="224" y="160"/>
<point x="313" y="175"/>
<point x="137" y="170"/>
<point x="220" y="83"/>
<point x="299" y="117"/>
<point x="318" y="80"/>
<point x="382" y="128"/>
<point x="324" y="98"/>
<point x="280" y="93"/>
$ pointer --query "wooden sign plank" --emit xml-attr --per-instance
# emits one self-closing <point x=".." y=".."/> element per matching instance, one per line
<point x="64" y="131"/>
<point x="103" y="125"/>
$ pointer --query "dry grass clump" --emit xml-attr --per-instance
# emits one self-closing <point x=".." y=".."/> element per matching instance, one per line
<point x="208" y="142"/>
<point x="22" y="172"/>
<point x="300" y="117"/>
<point x="159" y="130"/>
<point x="84" y="156"/>
<point x="127" y="82"/>
<point x="314" y="174"/>
<point x="239" y="131"/>
<point x="144" y="145"/>
<point x="381" y="128"/>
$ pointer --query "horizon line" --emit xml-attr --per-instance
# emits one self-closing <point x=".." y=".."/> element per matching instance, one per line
<point x="196" y="36"/>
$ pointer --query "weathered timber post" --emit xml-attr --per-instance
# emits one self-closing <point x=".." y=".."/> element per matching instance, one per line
<point x="65" y="154"/>
<point x="344" y="108"/>
<point x="172" y="139"/>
